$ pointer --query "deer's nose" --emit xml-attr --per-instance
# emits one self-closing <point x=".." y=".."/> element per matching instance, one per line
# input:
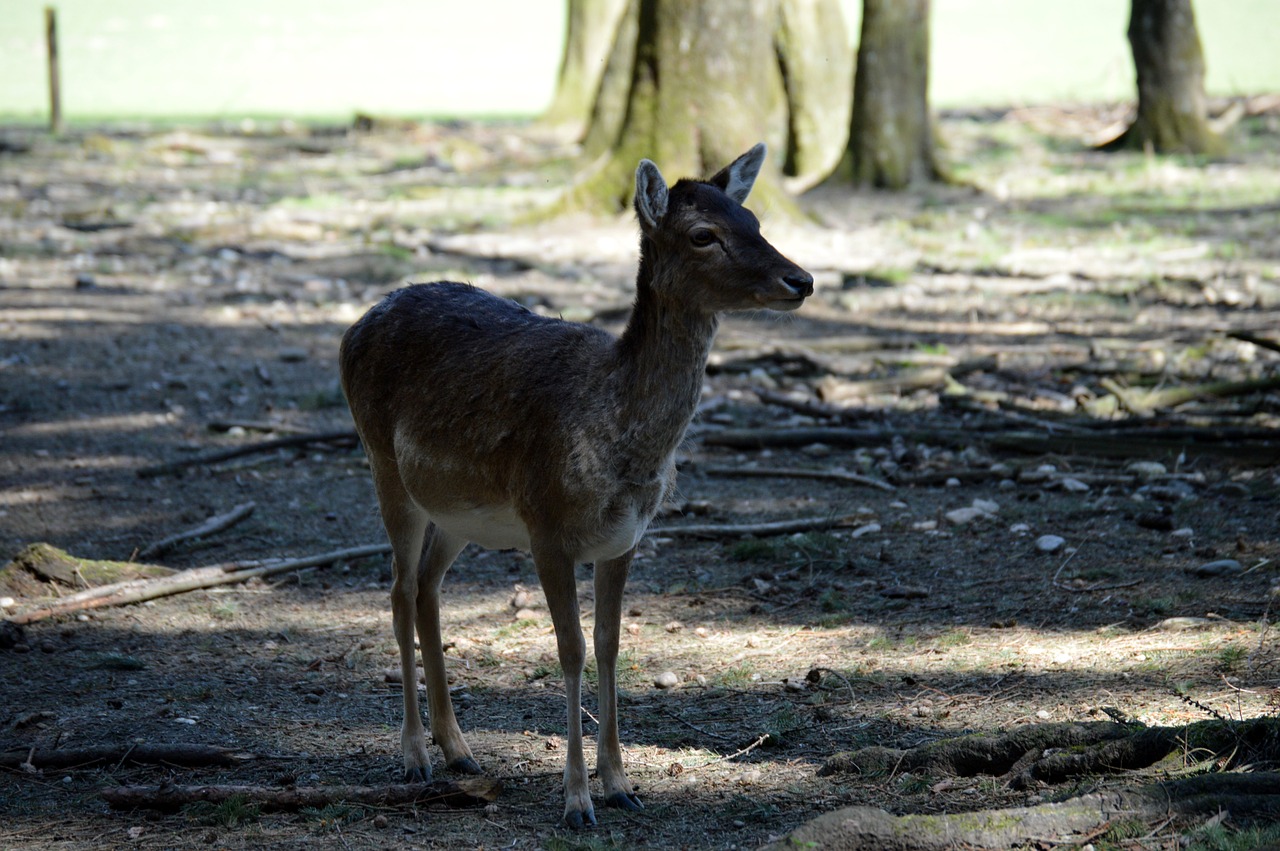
<point x="800" y="281"/>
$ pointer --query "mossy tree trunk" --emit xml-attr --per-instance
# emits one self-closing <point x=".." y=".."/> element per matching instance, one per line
<point x="817" y="63"/>
<point x="891" y="137"/>
<point x="691" y="84"/>
<point x="1169" y="61"/>
<point x="590" y="27"/>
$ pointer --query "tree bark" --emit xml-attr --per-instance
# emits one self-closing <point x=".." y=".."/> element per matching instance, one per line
<point x="1169" y="61"/>
<point x="817" y="63"/>
<point x="590" y="28"/>
<point x="690" y="84"/>
<point x="891" y="137"/>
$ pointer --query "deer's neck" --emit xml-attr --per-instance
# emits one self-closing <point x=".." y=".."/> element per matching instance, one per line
<point x="662" y="356"/>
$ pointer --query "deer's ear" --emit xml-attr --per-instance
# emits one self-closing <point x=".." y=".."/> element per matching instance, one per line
<point x="737" y="178"/>
<point x="651" y="194"/>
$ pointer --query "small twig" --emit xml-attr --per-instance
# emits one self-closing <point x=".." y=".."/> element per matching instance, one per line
<point x="213" y="525"/>
<point x="693" y="726"/>
<point x="732" y="530"/>
<point x="778" y="472"/>
<point x="760" y="740"/>
<point x="346" y="437"/>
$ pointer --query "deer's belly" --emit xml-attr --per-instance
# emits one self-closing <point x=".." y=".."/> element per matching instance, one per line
<point x="495" y="527"/>
<point x="498" y="527"/>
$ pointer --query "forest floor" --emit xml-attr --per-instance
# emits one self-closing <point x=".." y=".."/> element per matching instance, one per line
<point x="995" y="353"/>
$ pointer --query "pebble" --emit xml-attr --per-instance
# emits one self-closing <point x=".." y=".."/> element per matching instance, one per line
<point x="1071" y="485"/>
<point x="868" y="529"/>
<point x="7" y="602"/>
<point x="1049" y="543"/>
<point x="988" y="505"/>
<point x="953" y="482"/>
<point x="666" y="679"/>
<point x="1145" y="469"/>
<point x="1184" y="532"/>
<point x="961" y="516"/>
<point x="1044" y="715"/>
<point x="1180" y="624"/>
<point x="1020" y="528"/>
<point x="904" y="592"/>
<point x="1221" y="567"/>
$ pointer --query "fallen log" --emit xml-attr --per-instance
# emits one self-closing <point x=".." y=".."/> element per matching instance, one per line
<point x="465" y="792"/>
<point x="186" y="755"/>
<point x="1067" y="823"/>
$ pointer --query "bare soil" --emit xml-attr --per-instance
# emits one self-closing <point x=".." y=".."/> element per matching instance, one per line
<point x="157" y="283"/>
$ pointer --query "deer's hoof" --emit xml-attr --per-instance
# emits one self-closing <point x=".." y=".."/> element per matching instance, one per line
<point x="629" y="801"/>
<point x="465" y="765"/>
<point x="580" y="819"/>
<point x="419" y="774"/>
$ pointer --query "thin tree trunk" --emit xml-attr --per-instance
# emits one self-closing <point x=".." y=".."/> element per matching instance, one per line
<point x="590" y="28"/>
<point x="1172" y="114"/>
<point x="891" y="136"/>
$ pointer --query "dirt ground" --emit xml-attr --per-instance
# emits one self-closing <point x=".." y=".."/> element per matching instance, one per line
<point x="165" y="293"/>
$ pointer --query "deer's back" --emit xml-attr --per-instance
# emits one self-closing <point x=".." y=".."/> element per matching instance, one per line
<point x="484" y="400"/>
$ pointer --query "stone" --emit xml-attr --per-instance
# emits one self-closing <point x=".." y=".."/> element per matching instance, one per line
<point x="666" y="680"/>
<point x="1221" y="567"/>
<point x="1050" y="543"/>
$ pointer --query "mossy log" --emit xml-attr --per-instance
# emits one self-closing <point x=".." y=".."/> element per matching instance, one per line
<point x="37" y="565"/>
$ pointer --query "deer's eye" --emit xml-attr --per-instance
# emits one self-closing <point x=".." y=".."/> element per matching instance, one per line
<point x="702" y="237"/>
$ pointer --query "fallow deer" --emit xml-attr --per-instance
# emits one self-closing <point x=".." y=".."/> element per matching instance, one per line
<point x="484" y="422"/>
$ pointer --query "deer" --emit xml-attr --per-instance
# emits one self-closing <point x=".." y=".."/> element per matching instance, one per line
<point x="484" y="422"/>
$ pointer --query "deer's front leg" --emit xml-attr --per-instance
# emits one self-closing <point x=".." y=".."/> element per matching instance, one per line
<point x="611" y="576"/>
<point x="556" y="573"/>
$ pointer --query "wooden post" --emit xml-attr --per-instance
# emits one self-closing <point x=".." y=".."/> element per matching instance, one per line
<point x="55" y="93"/>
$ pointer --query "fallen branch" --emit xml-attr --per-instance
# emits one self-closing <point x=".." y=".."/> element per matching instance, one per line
<point x="738" y="530"/>
<point x="777" y="472"/>
<point x="192" y="756"/>
<point x="1260" y="342"/>
<point x="764" y="438"/>
<point x="1246" y="796"/>
<point x="466" y="792"/>
<point x="139" y="591"/>
<point x="347" y="437"/>
<point x="1144" y="402"/>
<point x="212" y="526"/>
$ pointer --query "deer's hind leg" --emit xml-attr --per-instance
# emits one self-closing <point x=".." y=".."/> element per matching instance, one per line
<point x="440" y="552"/>
<point x="406" y="526"/>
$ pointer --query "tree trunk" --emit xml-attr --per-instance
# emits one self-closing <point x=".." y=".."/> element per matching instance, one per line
<point x="891" y="136"/>
<point x="817" y="64"/>
<point x="589" y="33"/>
<point x="690" y="84"/>
<point x="1172" y="116"/>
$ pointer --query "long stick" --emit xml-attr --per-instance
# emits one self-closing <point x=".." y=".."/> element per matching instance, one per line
<point x="347" y="436"/>
<point x="465" y="792"/>
<point x="782" y="473"/>
<point x="211" y="526"/>
<point x="189" y="580"/>
<point x="729" y="530"/>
